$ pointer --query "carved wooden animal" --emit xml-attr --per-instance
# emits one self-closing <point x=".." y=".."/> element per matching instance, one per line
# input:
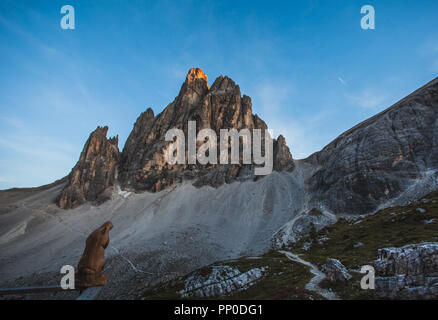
<point x="90" y="266"/>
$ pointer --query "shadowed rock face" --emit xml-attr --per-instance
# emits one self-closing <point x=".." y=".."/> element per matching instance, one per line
<point x="142" y="165"/>
<point x="378" y="159"/>
<point x="282" y="156"/>
<point x="94" y="173"/>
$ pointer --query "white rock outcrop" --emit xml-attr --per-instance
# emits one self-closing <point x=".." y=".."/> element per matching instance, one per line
<point x="222" y="280"/>
<point x="335" y="270"/>
<point x="409" y="272"/>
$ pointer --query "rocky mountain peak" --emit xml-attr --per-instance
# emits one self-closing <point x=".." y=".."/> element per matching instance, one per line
<point x="142" y="164"/>
<point x="196" y="74"/>
<point x="193" y="89"/>
<point x="282" y="156"/>
<point x="378" y="159"/>
<point x="224" y="83"/>
<point x="94" y="173"/>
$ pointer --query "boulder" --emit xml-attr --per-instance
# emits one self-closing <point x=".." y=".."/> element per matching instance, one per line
<point x="220" y="281"/>
<point x="335" y="270"/>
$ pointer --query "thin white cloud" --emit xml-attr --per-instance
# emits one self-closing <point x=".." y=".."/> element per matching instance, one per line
<point x="429" y="47"/>
<point x="35" y="160"/>
<point x="13" y="122"/>
<point x="434" y="67"/>
<point x="342" y="81"/>
<point x="429" y="51"/>
<point x="48" y="50"/>
<point x="19" y="140"/>
<point x="369" y="99"/>
<point x="299" y="137"/>
<point x="177" y="72"/>
<point x="49" y="150"/>
<point x="272" y="99"/>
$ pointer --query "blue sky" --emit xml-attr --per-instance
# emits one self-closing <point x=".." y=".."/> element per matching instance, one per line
<point x="310" y="69"/>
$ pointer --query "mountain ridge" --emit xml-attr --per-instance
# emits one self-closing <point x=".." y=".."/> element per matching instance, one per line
<point x="141" y="166"/>
<point x="355" y="176"/>
<point x="160" y="235"/>
<point x="379" y="158"/>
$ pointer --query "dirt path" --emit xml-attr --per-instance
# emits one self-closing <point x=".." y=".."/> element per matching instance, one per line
<point x="313" y="284"/>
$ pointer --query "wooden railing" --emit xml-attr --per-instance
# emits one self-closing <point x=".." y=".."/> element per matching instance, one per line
<point x="84" y="294"/>
<point x="93" y="255"/>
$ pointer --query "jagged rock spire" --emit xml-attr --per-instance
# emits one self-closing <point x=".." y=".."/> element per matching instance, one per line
<point x="196" y="74"/>
<point x="142" y="164"/>
<point x="94" y="173"/>
<point x="282" y="156"/>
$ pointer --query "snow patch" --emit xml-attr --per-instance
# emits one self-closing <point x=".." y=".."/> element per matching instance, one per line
<point x="124" y="194"/>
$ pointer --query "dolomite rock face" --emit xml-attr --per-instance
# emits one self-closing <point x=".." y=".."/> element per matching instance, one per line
<point x="335" y="270"/>
<point x="409" y="272"/>
<point x="95" y="172"/>
<point x="222" y="280"/>
<point x="379" y="158"/>
<point x="143" y="165"/>
<point x="282" y="156"/>
<point x="373" y="163"/>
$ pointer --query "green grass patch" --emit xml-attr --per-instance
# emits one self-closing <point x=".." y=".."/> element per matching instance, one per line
<point x="391" y="227"/>
<point x="282" y="279"/>
<point x="285" y="279"/>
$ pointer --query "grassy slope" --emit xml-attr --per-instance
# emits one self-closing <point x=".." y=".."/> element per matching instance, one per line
<point x="284" y="279"/>
<point x="15" y="194"/>
<point x="391" y="227"/>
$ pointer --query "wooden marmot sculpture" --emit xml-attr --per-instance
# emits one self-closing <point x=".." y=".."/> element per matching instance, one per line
<point x="89" y="273"/>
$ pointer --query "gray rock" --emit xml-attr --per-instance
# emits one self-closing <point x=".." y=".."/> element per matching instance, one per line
<point x="220" y="281"/>
<point x="301" y="225"/>
<point x="357" y="245"/>
<point x="142" y="165"/>
<point x="409" y="272"/>
<point x="335" y="270"/>
<point x="378" y="159"/>
<point x="94" y="174"/>
<point x="365" y="168"/>
<point x="282" y="157"/>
